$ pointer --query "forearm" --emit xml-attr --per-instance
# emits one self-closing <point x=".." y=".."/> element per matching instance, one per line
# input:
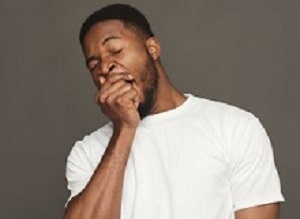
<point x="102" y="196"/>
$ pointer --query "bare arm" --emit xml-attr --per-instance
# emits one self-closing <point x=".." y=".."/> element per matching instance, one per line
<point x="269" y="211"/>
<point x="101" y="198"/>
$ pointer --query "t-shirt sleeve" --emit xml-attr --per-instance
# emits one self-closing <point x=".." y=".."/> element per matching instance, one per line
<point x="254" y="179"/>
<point x="79" y="169"/>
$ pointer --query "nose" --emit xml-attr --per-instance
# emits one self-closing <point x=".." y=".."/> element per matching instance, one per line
<point x="106" y="68"/>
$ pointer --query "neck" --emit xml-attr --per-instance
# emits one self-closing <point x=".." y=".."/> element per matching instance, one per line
<point x="167" y="96"/>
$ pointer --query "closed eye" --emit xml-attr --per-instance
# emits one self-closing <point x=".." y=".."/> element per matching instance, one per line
<point x="93" y="68"/>
<point x="113" y="52"/>
<point x="93" y="65"/>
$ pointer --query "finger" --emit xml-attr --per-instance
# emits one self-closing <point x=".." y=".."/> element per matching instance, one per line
<point x="119" y="92"/>
<point x="97" y="101"/>
<point x="132" y="95"/>
<point x="113" y="78"/>
<point x="96" y="97"/>
<point x="113" y="89"/>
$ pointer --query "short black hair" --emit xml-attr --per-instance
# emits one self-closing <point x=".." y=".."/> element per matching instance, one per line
<point x="130" y="16"/>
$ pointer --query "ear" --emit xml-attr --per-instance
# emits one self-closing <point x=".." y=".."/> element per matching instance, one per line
<point x="153" y="47"/>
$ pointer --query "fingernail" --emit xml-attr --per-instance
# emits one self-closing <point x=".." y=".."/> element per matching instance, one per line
<point x="102" y="80"/>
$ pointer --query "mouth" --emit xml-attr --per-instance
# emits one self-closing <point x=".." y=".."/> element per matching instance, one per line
<point x="130" y="81"/>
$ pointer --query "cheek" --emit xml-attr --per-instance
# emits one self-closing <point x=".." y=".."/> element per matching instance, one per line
<point x="135" y="63"/>
<point x="135" y="58"/>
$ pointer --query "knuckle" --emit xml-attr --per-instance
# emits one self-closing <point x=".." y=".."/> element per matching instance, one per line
<point x="109" y="100"/>
<point x="102" y="99"/>
<point x="119" y="100"/>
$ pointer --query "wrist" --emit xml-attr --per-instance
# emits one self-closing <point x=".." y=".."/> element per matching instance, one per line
<point x="123" y="128"/>
<point x="121" y="141"/>
<point x="124" y="132"/>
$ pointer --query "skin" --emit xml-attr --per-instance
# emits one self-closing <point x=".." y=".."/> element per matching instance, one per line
<point x="268" y="211"/>
<point x="131" y="83"/>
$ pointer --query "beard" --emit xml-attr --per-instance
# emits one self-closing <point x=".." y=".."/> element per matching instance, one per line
<point x="150" y="79"/>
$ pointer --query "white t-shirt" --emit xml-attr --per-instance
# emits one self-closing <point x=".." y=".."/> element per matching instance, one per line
<point x="203" y="159"/>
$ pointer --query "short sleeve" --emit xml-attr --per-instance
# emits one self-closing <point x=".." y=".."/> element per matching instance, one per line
<point x="79" y="169"/>
<point x="254" y="179"/>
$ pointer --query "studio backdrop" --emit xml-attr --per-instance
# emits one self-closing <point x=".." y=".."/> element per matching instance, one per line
<point x="244" y="53"/>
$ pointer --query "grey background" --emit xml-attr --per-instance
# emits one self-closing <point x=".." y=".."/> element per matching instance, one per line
<point x="244" y="53"/>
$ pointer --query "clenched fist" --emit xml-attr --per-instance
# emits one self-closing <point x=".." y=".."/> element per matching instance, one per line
<point x="119" y="100"/>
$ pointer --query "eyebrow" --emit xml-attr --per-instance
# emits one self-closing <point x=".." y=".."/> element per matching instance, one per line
<point x="92" y="58"/>
<point x="109" y="38"/>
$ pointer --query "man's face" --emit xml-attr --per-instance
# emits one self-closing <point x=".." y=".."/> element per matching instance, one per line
<point x="111" y="48"/>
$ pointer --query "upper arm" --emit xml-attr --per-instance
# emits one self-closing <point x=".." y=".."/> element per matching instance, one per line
<point x="254" y="178"/>
<point x="78" y="170"/>
<point x="82" y="162"/>
<point x="268" y="211"/>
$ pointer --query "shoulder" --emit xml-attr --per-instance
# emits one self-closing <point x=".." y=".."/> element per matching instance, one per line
<point x="220" y="112"/>
<point x="224" y="120"/>
<point x="238" y="128"/>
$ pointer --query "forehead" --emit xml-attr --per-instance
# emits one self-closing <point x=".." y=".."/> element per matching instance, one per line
<point x="102" y="30"/>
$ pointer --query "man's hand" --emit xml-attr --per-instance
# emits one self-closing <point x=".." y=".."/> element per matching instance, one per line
<point x="118" y="100"/>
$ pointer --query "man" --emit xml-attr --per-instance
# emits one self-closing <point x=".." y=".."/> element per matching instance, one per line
<point x="164" y="154"/>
